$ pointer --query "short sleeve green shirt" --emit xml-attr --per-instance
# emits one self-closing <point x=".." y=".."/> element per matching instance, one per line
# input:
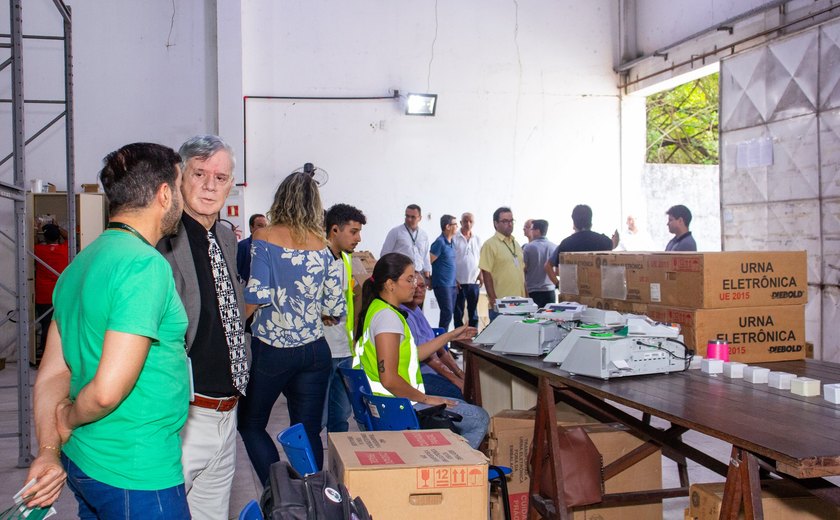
<point x="122" y="284"/>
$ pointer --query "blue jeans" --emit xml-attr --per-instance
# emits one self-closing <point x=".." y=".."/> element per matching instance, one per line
<point x="299" y="373"/>
<point x="338" y="408"/>
<point x="446" y="301"/>
<point x="473" y="427"/>
<point x="468" y="294"/>
<point x="99" y="500"/>
<point x="436" y="384"/>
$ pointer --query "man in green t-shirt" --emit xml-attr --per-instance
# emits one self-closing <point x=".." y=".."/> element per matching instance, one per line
<point x="112" y="393"/>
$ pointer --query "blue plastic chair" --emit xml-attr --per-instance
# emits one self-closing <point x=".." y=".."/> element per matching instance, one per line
<point x="498" y="474"/>
<point x="298" y="450"/>
<point x="355" y="382"/>
<point x="438" y="331"/>
<point x="390" y="413"/>
<point x="251" y="511"/>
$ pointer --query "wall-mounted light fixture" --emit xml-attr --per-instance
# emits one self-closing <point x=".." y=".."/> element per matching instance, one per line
<point x="420" y="104"/>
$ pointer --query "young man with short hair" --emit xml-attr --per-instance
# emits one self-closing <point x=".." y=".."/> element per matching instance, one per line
<point x="442" y="254"/>
<point x="344" y="232"/>
<point x="679" y="218"/>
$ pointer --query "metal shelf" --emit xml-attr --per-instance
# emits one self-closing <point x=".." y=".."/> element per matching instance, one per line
<point x="16" y="192"/>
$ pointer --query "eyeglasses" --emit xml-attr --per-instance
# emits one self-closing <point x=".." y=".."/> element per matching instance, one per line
<point x="505" y="221"/>
<point x="202" y="177"/>
<point x="410" y="279"/>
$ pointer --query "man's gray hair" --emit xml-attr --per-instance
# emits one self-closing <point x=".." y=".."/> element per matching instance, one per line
<point x="204" y="147"/>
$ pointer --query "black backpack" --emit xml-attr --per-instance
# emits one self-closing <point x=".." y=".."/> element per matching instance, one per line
<point x="318" y="496"/>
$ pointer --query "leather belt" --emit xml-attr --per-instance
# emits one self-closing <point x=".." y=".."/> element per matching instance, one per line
<point x="220" y="405"/>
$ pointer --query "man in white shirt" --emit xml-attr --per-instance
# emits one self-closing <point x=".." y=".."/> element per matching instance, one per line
<point x="411" y="241"/>
<point x="467" y="273"/>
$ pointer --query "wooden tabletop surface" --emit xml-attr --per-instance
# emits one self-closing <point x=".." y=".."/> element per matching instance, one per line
<point x="802" y="434"/>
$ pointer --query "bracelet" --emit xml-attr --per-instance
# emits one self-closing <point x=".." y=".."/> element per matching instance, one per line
<point x="57" y="449"/>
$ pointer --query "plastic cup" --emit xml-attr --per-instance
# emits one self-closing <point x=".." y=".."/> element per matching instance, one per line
<point x="717" y="349"/>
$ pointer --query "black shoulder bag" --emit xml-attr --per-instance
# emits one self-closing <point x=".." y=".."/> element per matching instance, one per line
<point x="437" y="418"/>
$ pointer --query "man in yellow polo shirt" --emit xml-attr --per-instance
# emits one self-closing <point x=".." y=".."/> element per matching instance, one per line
<point x="501" y="262"/>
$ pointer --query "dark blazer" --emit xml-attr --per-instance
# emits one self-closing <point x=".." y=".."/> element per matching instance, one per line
<point x="176" y="249"/>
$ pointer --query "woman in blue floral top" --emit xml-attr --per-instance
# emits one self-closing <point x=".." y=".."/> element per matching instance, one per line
<point x="294" y="292"/>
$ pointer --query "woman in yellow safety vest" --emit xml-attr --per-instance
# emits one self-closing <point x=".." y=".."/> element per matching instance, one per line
<point x="387" y="352"/>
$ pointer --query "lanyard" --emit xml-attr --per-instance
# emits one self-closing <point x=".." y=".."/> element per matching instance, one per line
<point x="412" y="237"/>
<point x="511" y="249"/>
<point x="126" y="227"/>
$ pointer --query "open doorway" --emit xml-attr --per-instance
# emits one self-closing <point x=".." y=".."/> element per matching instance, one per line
<point x="682" y="159"/>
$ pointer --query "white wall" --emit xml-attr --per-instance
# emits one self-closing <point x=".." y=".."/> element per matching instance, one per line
<point x="142" y="72"/>
<point x="663" y="22"/>
<point x="528" y="112"/>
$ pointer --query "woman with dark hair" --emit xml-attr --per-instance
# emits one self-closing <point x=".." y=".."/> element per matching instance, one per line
<point x="294" y="289"/>
<point x="386" y="350"/>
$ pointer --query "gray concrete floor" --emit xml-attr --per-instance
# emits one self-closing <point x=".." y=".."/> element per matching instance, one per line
<point x="245" y="485"/>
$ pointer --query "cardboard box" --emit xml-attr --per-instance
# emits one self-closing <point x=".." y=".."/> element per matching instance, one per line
<point x="754" y="334"/>
<point x="511" y="436"/>
<point x="368" y="260"/>
<point x="605" y="275"/>
<point x="695" y="280"/>
<point x="418" y="474"/>
<point x="780" y="500"/>
<point x="90" y="188"/>
<point x="728" y="279"/>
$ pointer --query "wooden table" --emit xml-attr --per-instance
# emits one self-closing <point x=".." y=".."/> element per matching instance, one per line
<point x="771" y="431"/>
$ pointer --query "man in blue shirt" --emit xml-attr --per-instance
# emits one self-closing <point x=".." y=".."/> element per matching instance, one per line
<point x="442" y="255"/>
<point x="243" y="249"/>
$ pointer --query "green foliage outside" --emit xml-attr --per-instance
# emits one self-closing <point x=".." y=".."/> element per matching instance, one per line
<point x="682" y="124"/>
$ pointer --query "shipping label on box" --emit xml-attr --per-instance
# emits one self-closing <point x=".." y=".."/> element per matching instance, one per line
<point x="624" y="277"/>
<point x="729" y="279"/>
<point x="511" y="435"/>
<point x="567" y="274"/>
<point x="754" y="334"/>
<point x="580" y="274"/>
<point x="416" y="474"/>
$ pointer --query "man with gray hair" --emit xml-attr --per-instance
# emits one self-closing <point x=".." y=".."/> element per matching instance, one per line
<point x="203" y="259"/>
<point x="467" y="274"/>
